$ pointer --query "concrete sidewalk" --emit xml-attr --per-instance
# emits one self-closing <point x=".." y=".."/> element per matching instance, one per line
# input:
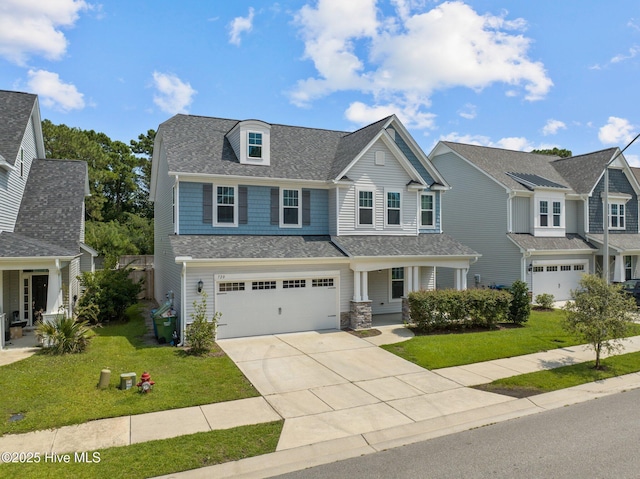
<point x="399" y="406"/>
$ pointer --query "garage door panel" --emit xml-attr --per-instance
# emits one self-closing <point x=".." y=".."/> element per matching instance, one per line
<point x="278" y="306"/>
<point x="558" y="280"/>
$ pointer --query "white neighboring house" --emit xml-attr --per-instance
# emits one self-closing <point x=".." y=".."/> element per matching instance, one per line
<point x="41" y="218"/>
<point x="291" y="229"/>
<point x="539" y="218"/>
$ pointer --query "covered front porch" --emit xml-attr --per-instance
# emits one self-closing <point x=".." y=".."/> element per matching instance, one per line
<point x="624" y="256"/>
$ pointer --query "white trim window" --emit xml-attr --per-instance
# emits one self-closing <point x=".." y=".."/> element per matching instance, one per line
<point x="427" y="210"/>
<point x="396" y="286"/>
<point x="557" y="213"/>
<point x="254" y="145"/>
<point x="544" y="213"/>
<point x="616" y="216"/>
<point x="393" y="208"/>
<point x="290" y="208"/>
<point x="365" y="208"/>
<point x="226" y="212"/>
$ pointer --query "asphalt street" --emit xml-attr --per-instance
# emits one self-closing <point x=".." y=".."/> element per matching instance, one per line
<point x="595" y="439"/>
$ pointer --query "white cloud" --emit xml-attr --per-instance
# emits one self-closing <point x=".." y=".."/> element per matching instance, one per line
<point x="509" y="143"/>
<point x="616" y="131"/>
<point x="33" y="27"/>
<point x="469" y="112"/>
<point x="633" y="51"/>
<point x="240" y="25"/>
<point x="403" y="59"/>
<point x="410" y="116"/>
<point x="53" y="92"/>
<point x="633" y="160"/>
<point x="552" y="127"/>
<point x="172" y="94"/>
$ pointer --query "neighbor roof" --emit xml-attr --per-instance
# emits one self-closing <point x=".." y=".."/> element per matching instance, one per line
<point x="388" y="245"/>
<point x="14" y="245"/>
<point x="583" y="171"/>
<point x="621" y="241"/>
<point x="15" y="111"/>
<point x="52" y="204"/>
<point x="498" y="163"/>
<point x="571" y="242"/>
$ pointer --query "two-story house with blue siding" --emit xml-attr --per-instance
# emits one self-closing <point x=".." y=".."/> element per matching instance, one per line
<point x="288" y="228"/>
<point x="41" y="219"/>
<point x="539" y="218"/>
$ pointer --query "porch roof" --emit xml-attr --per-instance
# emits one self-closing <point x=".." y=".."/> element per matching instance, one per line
<point x="433" y="244"/>
<point x="570" y="242"/>
<point x="203" y="247"/>
<point x="622" y="242"/>
<point x="14" y="245"/>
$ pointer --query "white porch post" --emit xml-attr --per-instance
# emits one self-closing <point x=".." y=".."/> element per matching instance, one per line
<point x="408" y="272"/>
<point x="365" y="285"/>
<point x="618" y="269"/>
<point x="416" y="278"/>
<point x="463" y="278"/>
<point x="356" y="286"/>
<point x="54" y="291"/>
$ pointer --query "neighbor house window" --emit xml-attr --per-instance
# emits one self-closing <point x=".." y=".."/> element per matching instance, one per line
<point x="544" y="213"/>
<point x="397" y="283"/>
<point x="365" y="207"/>
<point x="616" y="216"/>
<point x="393" y="207"/>
<point x="426" y="210"/>
<point x="225" y="205"/>
<point x="291" y="208"/>
<point x="628" y="267"/>
<point x="557" y="210"/>
<point x="255" y="145"/>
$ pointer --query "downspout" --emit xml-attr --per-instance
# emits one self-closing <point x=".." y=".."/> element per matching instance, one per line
<point x="510" y="211"/>
<point x="183" y="304"/>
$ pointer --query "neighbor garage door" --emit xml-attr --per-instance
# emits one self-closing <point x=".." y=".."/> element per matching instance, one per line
<point x="557" y="279"/>
<point x="253" y="306"/>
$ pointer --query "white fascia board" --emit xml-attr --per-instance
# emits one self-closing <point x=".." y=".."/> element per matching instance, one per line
<point x="422" y="157"/>
<point x="33" y="262"/>
<point x="249" y="180"/>
<point x="371" y="263"/>
<point x="275" y="275"/>
<point x="258" y="261"/>
<point x="157" y="148"/>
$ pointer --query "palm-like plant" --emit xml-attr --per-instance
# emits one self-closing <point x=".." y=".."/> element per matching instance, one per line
<point x="64" y="335"/>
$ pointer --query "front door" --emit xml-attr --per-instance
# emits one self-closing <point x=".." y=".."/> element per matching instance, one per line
<point x="39" y="296"/>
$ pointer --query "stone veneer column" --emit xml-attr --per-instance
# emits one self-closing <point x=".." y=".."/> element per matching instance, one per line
<point x="360" y="315"/>
<point x="406" y="311"/>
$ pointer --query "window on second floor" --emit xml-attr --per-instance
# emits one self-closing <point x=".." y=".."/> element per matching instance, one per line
<point x="291" y="208"/>
<point x="557" y="210"/>
<point x="365" y="208"/>
<point x="225" y="205"/>
<point x="616" y="216"/>
<point x="255" y="145"/>
<point x="550" y="217"/>
<point x="427" y="216"/>
<point x="394" y="202"/>
<point x="544" y="213"/>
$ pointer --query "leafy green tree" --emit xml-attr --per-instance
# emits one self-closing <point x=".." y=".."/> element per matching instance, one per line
<point x="144" y="149"/>
<point x="520" y="307"/>
<point x="111" y="291"/>
<point x="600" y="313"/>
<point x="201" y="332"/>
<point x="562" y="153"/>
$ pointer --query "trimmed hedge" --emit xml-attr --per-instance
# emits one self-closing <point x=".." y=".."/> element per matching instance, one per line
<point x="453" y="309"/>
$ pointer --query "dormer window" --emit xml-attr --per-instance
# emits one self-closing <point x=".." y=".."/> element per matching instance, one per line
<point x="550" y="218"/>
<point x="255" y="145"/>
<point x="616" y="216"/>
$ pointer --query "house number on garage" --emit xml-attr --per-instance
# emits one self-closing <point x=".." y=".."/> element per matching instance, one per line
<point x="220" y="276"/>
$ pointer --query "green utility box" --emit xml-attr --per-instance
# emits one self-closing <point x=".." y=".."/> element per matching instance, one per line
<point x="127" y="380"/>
<point x="165" y="326"/>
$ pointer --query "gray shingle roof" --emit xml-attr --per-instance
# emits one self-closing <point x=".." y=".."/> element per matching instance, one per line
<point x="15" y="110"/>
<point x="531" y="181"/>
<point x="498" y="162"/>
<point x="13" y="245"/>
<point x="538" y="243"/>
<point x="52" y="205"/>
<point x="622" y="242"/>
<point x="254" y="247"/>
<point x="386" y="245"/>
<point x="582" y="171"/>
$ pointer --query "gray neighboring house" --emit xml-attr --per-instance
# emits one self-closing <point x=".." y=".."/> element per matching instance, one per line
<point x="289" y="228"/>
<point x="41" y="218"/>
<point x="539" y="218"/>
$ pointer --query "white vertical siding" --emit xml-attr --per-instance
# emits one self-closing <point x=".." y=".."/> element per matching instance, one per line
<point x="571" y="210"/>
<point x="367" y="175"/>
<point x="521" y="215"/>
<point x="333" y="194"/>
<point x="476" y="212"/>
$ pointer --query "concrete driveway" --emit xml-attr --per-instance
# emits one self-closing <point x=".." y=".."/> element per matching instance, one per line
<point x="331" y="384"/>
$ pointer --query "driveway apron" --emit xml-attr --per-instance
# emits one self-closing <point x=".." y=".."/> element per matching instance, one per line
<point x="332" y="384"/>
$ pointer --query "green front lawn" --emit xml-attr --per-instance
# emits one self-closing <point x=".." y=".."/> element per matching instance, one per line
<point x="542" y="332"/>
<point x="155" y="458"/>
<point x="53" y="391"/>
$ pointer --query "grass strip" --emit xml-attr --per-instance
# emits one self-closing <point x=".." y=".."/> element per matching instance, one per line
<point x="542" y="332"/>
<point x="155" y="458"/>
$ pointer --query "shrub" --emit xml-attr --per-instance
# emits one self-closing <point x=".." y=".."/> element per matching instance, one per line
<point x="64" y="335"/>
<point x="545" y="300"/>
<point x="451" y="309"/>
<point x="111" y="291"/>
<point x="201" y="332"/>
<point x="520" y="308"/>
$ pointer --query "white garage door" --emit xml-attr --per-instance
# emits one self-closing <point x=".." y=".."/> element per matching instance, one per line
<point x="253" y="307"/>
<point x="557" y="279"/>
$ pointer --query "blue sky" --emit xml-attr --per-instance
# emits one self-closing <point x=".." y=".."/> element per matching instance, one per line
<point x="511" y="74"/>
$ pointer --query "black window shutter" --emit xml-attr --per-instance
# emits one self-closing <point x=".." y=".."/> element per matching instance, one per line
<point x="275" y="206"/>
<point x="306" y="207"/>
<point x="242" y="205"/>
<point x="207" y="203"/>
